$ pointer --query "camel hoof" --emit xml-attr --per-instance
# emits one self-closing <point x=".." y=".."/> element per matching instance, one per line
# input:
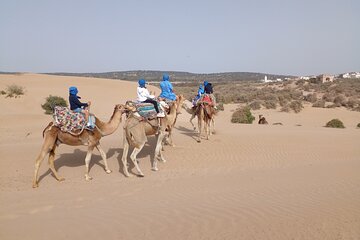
<point x="61" y="179"/>
<point x="108" y="171"/>
<point x="127" y="175"/>
<point x="88" y="178"/>
<point x="155" y="169"/>
<point x="141" y="175"/>
<point x="35" y="185"/>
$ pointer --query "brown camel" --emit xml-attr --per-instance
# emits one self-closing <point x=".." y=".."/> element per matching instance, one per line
<point x="137" y="129"/>
<point x="193" y="111"/>
<point x="205" y="114"/>
<point x="53" y="137"/>
<point x="262" y="120"/>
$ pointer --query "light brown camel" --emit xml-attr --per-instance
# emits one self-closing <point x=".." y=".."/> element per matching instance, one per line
<point x="188" y="106"/>
<point x="137" y="129"/>
<point x="262" y="120"/>
<point x="53" y="137"/>
<point x="205" y="114"/>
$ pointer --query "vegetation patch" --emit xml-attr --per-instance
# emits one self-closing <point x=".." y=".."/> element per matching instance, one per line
<point x="51" y="102"/>
<point x="13" y="91"/>
<point x="242" y="115"/>
<point x="335" y="123"/>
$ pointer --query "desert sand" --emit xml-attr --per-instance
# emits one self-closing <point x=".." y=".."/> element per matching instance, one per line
<point x="298" y="180"/>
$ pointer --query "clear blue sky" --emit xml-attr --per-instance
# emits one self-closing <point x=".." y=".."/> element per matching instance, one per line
<point x="283" y="37"/>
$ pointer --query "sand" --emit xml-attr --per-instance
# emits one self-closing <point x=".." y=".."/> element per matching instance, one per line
<point x="298" y="180"/>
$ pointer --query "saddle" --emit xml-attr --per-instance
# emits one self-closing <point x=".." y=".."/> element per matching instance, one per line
<point x="69" y="121"/>
<point x="144" y="110"/>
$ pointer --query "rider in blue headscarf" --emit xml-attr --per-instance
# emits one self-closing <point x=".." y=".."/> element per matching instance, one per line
<point x="167" y="89"/>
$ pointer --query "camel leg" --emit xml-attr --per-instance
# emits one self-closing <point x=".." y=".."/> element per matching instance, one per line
<point x="199" y="127"/>
<point x="158" y="153"/>
<point x="103" y="156"/>
<point x="47" y="146"/>
<point x="192" y="117"/>
<point x="207" y="129"/>
<point x="213" y="126"/>
<point x="124" y="156"/>
<point x="133" y="159"/>
<point x="87" y="162"/>
<point x="51" y="164"/>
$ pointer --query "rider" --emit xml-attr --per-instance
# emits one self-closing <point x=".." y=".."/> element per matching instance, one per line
<point x="79" y="107"/>
<point x="167" y="89"/>
<point x="200" y="92"/>
<point x="209" y="90"/>
<point x="144" y="96"/>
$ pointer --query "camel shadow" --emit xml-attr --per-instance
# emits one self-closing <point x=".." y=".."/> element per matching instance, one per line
<point x="188" y="132"/>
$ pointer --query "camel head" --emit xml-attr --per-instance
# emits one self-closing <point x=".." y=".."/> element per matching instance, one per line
<point x="179" y="101"/>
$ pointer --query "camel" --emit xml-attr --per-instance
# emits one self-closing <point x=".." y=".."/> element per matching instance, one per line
<point x="262" y="120"/>
<point x="205" y="114"/>
<point x="91" y="138"/>
<point x="192" y="110"/>
<point x="136" y="130"/>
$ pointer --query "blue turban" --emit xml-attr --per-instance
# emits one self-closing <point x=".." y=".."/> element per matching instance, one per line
<point x="73" y="90"/>
<point x="166" y="77"/>
<point x="206" y="83"/>
<point x="142" y="83"/>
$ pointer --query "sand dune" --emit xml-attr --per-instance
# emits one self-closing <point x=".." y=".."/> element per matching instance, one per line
<point x="295" y="181"/>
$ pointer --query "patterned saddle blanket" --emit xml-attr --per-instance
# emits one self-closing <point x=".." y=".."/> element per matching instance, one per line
<point x="69" y="121"/>
<point x="146" y="110"/>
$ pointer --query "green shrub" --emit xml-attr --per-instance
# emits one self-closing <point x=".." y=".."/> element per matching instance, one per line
<point x="14" y="91"/>
<point x="242" y="115"/>
<point x="51" y="102"/>
<point x="335" y="123"/>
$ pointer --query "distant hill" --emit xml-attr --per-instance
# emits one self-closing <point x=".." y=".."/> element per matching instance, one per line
<point x="153" y="76"/>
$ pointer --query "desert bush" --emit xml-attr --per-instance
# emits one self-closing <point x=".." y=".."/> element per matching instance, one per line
<point x="51" y="102"/>
<point x="352" y="103"/>
<point x="285" y="108"/>
<point x="220" y="107"/>
<point x="2" y="92"/>
<point x="255" y="105"/>
<point x="242" y="115"/>
<point x="335" y="123"/>
<point x="296" y="106"/>
<point x="340" y="100"/>
<point x="327" y="97"/>
<point x="270" y="104"/>
<point x="312" y="97"/>
<point x="14" y="91"/>
<point x="319" y="104"/>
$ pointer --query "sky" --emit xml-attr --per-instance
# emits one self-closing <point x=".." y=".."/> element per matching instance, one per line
<point x="301" y="37"/>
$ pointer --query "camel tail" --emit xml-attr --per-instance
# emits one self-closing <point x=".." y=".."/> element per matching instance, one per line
<point x="47" y="128"/>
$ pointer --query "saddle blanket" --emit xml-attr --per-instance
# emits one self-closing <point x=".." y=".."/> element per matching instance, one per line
<point x="67" y="120"/>
<point x="146" y="110"/>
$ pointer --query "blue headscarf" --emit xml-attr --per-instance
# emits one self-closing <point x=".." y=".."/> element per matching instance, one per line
<point x="166" y="77"/>
<point x="206" y="83"/>
<point x="73" y="90"/>
<point x="142" y="83"/>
